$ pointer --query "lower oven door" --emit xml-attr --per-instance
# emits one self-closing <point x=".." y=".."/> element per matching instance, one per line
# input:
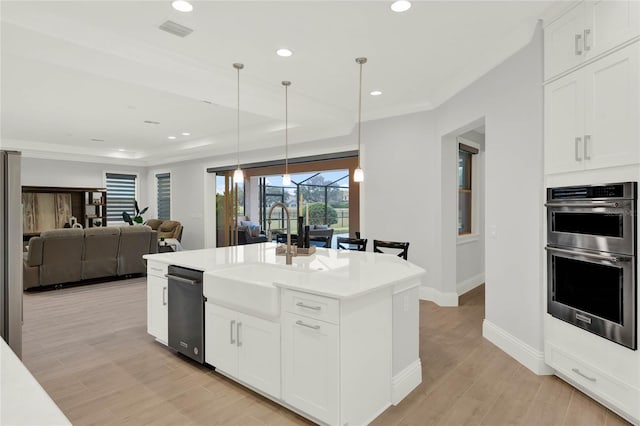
<point x="595" y="291"/>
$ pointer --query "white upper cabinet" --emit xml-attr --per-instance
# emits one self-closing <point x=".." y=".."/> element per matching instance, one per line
<point x="588" y="30"/>
<point x="563" y="44"/>
<point x="609" y="24"/>
<point x="591" y="115"/>
<point x="564" y="124"/>
<point x="612" y="116"/>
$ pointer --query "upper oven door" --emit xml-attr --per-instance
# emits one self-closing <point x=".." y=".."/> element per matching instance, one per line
<point x="606" y="226"/>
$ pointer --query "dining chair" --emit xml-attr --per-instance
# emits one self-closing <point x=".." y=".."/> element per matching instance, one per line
<point x="402" y="246"/>
<point x="320" y="241"/>
<point x="357" y="244"/>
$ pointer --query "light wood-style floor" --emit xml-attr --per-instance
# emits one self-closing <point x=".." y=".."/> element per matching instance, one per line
<point x="89" y="349"/>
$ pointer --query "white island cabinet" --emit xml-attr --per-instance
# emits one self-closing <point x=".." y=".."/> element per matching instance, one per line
<point x="333" y="337"/>
<point x="244" y="347"/>
<point x="157" y="301"/>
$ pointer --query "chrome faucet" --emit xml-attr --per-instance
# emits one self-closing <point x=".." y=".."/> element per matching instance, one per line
<point x="288" y="253"/>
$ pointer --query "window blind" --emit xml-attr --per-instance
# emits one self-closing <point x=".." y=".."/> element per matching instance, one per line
<point x="164" y="196"/>
<point x="121" y="196"/>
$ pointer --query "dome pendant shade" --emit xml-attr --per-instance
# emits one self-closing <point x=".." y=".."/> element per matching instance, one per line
<point x="238" y="176"/>
<point x="358" y="175"/>
<point x="286" y="179"/>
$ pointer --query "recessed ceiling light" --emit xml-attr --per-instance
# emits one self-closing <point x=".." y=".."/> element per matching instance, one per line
<point x="375" y="93"/>
<point x="121" y="149"/>
<point x="171" y="137"/>
<point x="285" y="53"/>
<point x="151" y="122"/>
<point x="182" y="6"/>
<point x="97" y="140"/>
<point x="401" y="6"/>
<point x="186" y="134"/>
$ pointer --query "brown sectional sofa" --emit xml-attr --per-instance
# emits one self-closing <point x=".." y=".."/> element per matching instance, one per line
<point x="70" y="255"/>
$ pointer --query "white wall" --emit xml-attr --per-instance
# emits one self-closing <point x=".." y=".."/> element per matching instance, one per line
<point x="397" y="199"/>
<point x="510" y="99"/>
<point x="43" y="172"/>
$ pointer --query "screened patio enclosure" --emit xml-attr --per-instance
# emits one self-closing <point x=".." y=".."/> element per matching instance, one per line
<point x="324" y="194"/>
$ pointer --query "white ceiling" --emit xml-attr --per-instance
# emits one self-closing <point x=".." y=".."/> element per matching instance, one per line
<point x="80" y="70"/>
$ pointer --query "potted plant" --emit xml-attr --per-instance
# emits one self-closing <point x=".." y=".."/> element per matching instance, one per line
<point x="138" y="216"/>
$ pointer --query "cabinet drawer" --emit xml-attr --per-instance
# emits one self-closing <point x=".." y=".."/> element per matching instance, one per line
<point x="612" y="390"/>
<point x="157" y="269"/>
<point x="312" y="306"/>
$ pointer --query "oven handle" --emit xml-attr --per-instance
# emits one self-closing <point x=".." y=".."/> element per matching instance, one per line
<point x="614" y="259"/>
<point x="593" y="205"/>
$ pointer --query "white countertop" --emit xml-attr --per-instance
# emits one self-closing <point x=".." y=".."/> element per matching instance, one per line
<point x="22" y="400"/>
<point x="328" y="272"/>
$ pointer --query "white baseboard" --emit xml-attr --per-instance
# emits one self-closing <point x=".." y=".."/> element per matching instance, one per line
<point x="438" y="297"/>
<point x="516" y="348"/>
<point x="470" y="284"/>
<point x="405" y="381"/>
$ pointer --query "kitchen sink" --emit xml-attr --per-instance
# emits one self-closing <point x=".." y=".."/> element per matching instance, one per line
<point x="249" y="287"/>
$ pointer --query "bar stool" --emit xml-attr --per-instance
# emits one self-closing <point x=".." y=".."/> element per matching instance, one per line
<point x="402" y="246"/>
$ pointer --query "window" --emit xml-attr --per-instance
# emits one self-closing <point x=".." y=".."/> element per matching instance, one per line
<point x="465" y="187"/>
<point x="121" y="196"/>
<point x="164" y="196"/>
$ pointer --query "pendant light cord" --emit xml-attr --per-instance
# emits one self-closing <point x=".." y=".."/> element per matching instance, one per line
<point x="238" y="133"/>
<point x="359" y="112"/>
<point x="286" y="129"/>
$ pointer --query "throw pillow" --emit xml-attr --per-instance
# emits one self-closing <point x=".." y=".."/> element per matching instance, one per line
<point x="322" y="226"/>
<point x="254" y="230"/>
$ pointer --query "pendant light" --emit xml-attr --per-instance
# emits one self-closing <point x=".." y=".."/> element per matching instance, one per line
<point x="286" y="178"/>
<point x="358" y="174"/>
<point x="238" y="175"/>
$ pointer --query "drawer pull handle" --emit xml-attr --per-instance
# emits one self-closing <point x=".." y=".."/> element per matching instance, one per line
<point x="315" y="327"/>
<point x="156" y="269"/>
<point x="586" y="33"/>
<point x="231" y="326"/>
<point x="164" y="296"/>
<point x="578" y="372"/>
<point x="302" y="305"/>
<point x="577" y="39"/>
<point x="238" y="334"/>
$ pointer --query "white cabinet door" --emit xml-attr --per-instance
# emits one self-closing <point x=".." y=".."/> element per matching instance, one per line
<point x="259" y="353"/>
<point x="563" y="42"/>
<point x="612" y="125"/>
<point x="221" y="338"/>
<point x="610" y="23"/>
<point x="310" y="359"/>
<point x="564" y="124"/>
<point x="157" y="308"/>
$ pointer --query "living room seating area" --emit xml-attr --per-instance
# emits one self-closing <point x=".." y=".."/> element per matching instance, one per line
<point x="71" y="255"/>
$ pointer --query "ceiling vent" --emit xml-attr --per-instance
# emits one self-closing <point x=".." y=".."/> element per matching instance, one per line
<point x="175" y="29"/>
<point x="151" y="122"/>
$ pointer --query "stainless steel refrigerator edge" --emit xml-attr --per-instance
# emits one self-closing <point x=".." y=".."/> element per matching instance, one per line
<point x="11" y="257"/>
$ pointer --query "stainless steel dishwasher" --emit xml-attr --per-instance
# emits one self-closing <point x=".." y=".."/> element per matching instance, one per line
<point x="186" y="312"/>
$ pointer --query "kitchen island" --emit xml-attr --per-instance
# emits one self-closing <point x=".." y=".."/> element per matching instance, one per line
<point x="333" y="337"/>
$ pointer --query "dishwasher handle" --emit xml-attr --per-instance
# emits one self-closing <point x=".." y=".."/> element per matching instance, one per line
<point x="181" y="279"/>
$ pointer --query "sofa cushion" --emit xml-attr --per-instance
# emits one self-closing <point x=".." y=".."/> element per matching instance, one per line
<point x="100" y="252"/>
<point x="62" y="251"/>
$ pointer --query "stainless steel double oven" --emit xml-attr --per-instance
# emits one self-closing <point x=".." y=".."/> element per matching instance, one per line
<point x="591" y="259"/>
